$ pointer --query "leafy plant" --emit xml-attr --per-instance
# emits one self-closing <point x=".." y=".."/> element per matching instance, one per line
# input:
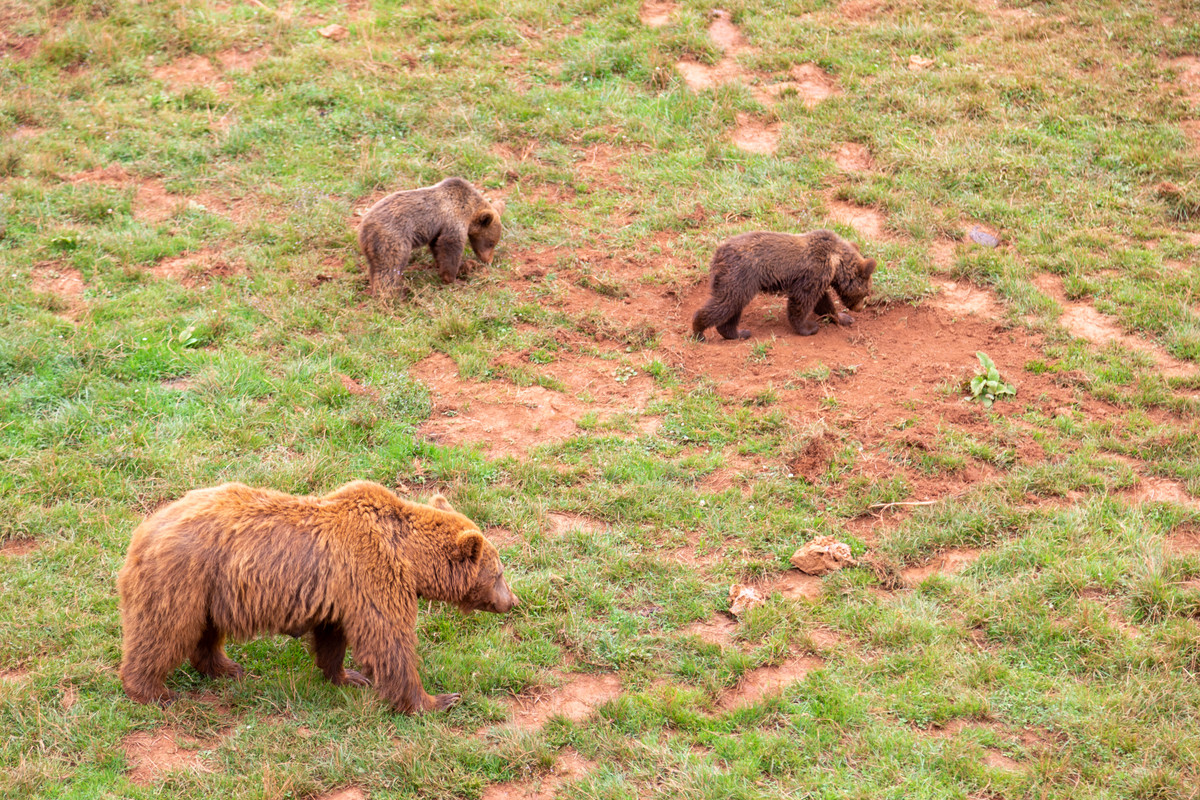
<point x="987" y="386"/>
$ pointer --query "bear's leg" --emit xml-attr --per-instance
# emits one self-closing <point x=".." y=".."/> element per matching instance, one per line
<point x="208" y="656"/>
<point x="148" y="659"/>
<point x="721" y="315"/>
<point x="729" y="328"/>
<point x="387" y="649"/>
<point x="329" y="647"/>
<point x="799" y="308"/>
<point x="387" y="256"/>
<point x="448" y="255"/>
<point x="827" y="307"/>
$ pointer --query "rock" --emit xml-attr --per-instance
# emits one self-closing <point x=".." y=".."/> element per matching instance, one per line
<point x="917" y="63"/>
<point x="742" y="598"/>
<point x="822" y="555"/>
<point x="335" y="32"/>
<point x="980" y="236"/>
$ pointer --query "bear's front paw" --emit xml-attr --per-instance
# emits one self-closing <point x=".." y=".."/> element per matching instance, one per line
<point x="445" y="701"/>
<point x="354" y="678"/>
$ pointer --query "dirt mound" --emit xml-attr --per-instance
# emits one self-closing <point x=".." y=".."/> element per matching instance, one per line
<point x="184" y="73"/>
<point x="765" y="681"/>
<point x="509" y="419"/>
<point x="851" y="157"/>
<point x="15" y="548"/>
<point x="1162" y="490"/>
<point x="576" y="699"/>
<point x="960" y="297"/>
<point x="866" y="221"/>
<point x="51" y="278"/>
<point x="196" y="269"/>
<point x="717" y="629"/>
<point x="234" y="60"/>
<point x="755" y="136"/>
<point x="569" y="766"/>
<point x="151" y="754"/>
<point x="657" y="13"/>
<point x="1085" y="322"/>
<point x="948" y="562"/>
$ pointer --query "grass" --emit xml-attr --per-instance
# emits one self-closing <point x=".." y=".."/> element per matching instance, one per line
<point x="1060" y="663"/>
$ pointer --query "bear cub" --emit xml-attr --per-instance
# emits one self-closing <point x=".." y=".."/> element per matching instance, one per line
<point x="445" y="217"/>
<point x="346" y="568"/>
<point x="813" y="269"/>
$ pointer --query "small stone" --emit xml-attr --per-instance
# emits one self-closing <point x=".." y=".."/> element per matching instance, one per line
<point x="742" y="598"/>
<point x="822" y="555"/>
<point x="982" y="237"/>
<point x="335" y="32"/>
<point x="916" y="63"/>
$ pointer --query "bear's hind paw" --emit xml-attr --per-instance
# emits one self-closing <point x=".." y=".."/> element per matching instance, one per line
<point x="446" y="701"/>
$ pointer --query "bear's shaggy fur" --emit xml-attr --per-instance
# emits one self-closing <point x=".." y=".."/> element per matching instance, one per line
<point x="445" y="217"/>
<point x="234" y="561"/>
<point x="812" y="269"/>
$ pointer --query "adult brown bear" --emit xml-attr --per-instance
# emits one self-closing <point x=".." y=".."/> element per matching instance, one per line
<point x="234" y="561"/>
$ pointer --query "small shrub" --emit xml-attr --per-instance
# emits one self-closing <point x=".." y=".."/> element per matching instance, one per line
<point x="987" y="386"/>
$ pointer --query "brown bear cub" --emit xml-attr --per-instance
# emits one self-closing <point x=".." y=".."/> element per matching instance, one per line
<point x="445" y="217"/>
<point x="812" y="269"/>
<point x="233" y="561"/>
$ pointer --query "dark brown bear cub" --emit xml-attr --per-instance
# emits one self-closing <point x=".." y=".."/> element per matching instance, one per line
<point x="348" y="568"/>
<point x="445" y="217"/>
<point x="810" y="269"/>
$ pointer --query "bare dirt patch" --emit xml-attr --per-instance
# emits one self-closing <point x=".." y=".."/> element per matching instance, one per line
<point x="960" y="297"/>
<point x="765" y="681"/>
<point x="501" y="537"/>
<point x="717" y="629"/>
<point x="1185" y="541"/>
<point x="346" y="793"/>
<point x="578" y="696"/>
<point x="508" y="419"/>
<point x="997" y="760"/>
<point x="234" y="60"/>
<point x="794" y="585"/>
<point x="354" y="387"/>
<point x="195" y="269"/>
<point x="53" y="278"/>
<point x="866" y="221"/>
<point x="1162" y="490"/>
<point x="657" y="13"/>
<point x="852" y="157"/>
<point x="565" y="523"/>
<point x="1188" y="70"/>
<point x="15" y="548"/>
<point x="948" y="562"/>
<point x="151" y="201"/>
<point x="811" y="83"/>
<point x="569" y="766"/>
<point x="151" y="754"/>
<point x="184" y="73"/>
<point x="1085" y="322"/>
<point x="756" y="136"/>
<point x="14" y="676"/>
<point x="1191" y="129"/>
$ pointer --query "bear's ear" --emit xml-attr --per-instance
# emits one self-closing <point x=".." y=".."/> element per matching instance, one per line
<point x="498" y="207"/>
<point x="866" y="267"/>
<point x="441" y="503"/>
<point x="485" y="218"/>
<point x="469" y="546"/>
